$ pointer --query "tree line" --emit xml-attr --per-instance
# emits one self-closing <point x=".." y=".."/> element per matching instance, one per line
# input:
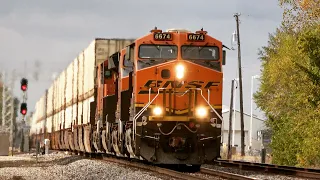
<point x="290" y="85"/>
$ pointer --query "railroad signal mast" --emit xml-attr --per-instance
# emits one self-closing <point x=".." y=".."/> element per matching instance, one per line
<point x="23" y="106"/>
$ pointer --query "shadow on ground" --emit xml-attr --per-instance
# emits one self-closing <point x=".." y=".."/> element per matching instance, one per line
<point x="40" y="162"/>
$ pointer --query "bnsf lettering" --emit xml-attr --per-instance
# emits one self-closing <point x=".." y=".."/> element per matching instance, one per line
<point x="177" y="84"/>
<point x="195" y="84"/>
<point x="155" y="83"/>
<point x="210" y="83"/>
<point x="174" y="84"/>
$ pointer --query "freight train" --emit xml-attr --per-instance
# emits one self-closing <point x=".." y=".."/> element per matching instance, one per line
<point x="156" y="98"/>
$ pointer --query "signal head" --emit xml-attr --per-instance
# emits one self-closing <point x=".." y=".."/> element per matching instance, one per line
<point x="24" y="84"/>
<point x="23" y="108"/>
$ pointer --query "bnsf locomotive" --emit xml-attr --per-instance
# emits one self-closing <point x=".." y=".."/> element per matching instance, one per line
<point x="157" y="98"/>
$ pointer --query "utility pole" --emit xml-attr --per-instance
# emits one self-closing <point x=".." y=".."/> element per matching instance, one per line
<point x="230" y="121"/>
<point x="236" y="15"/>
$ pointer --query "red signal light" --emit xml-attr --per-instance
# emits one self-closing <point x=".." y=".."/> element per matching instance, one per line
<point x="24" y="87"/>
<point x="24" y="84"/>
<point x="24" y="111"/>
<point x="23" y="108"/>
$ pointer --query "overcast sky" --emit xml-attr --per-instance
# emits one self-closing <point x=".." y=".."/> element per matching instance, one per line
<point x="53" y="33"/>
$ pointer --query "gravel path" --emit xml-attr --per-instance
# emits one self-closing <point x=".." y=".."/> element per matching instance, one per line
<point x="258" y="175"/>
<point x="62" y="167"/>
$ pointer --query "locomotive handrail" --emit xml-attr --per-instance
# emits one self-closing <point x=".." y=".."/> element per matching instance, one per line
<point x="149" y="103"/>
<point x="143" y="109"/>
<point x="211" y="106"/>
<point x="215" y="112"/>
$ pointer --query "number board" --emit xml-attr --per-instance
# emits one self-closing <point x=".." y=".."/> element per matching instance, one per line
<point x="195" y="37"/>
<point x="162" y="36"/>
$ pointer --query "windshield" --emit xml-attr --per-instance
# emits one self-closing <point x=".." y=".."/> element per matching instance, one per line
<point x="200" y="52"/>
<point x="153" y="51"/>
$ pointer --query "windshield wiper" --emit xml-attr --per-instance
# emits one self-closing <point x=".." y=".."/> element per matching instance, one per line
<point x="155" y="45"/>
<point x="190" y="45"/>
<point x="201" y="47"/>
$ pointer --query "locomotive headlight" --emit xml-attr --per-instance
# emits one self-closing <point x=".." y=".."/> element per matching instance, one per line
<point x="157" y="111"/>
<point x="179" y="71"/>
<point x="201" y="112"/>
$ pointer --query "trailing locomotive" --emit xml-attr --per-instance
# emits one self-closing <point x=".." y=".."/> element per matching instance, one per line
<point x="159" y="99"/>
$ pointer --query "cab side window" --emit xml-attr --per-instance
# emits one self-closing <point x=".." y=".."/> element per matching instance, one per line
<point x="107" y="74"/>
<point x="127" y="66"/>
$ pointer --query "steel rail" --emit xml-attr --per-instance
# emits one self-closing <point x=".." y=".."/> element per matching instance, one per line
<point x="272" y="168"/>
<point x="226" y="175"/>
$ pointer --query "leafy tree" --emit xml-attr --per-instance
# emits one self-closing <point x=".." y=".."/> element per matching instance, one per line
<point x="298" y="13"/>
<point x="289" y="94"/>
<point x="290" y="85"/>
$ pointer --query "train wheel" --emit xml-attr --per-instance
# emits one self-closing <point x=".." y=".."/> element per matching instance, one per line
<point x="80" y="139"/>
<point x="96" y="140"/>
<point x="114" y="138"/>
<point x="104" y="141"/>
<point x="56" y="146"/>
<point x="75" y="138"/>
<point x="129" y="142"/>
<point x="62" y="140"/>
<point x="109" y="142"/>
<point x="71" y="143"/>
<point x="87" y="138"/>
<point x="59" y="140"/>
<point x="66" y="139"/>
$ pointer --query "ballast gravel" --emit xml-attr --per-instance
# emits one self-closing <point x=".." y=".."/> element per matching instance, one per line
<point x="63" y="167"/>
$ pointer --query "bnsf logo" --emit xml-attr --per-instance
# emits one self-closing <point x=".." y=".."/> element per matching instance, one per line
<point x="177" y="85"/>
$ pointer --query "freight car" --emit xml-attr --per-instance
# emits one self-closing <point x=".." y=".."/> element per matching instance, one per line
<point x="158" y="99"/>
<point x="66" y="103"/>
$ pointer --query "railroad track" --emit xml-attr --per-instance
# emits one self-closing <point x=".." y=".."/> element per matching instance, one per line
<point x="256" y="167"/>
<point x="203" y="174"/>
<point x="156" y="169"/>
<point x="272" y="168"/>
<point x="177" y="174"/>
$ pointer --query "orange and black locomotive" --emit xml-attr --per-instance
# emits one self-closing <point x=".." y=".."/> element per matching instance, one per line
<point x="160" y="98"/>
